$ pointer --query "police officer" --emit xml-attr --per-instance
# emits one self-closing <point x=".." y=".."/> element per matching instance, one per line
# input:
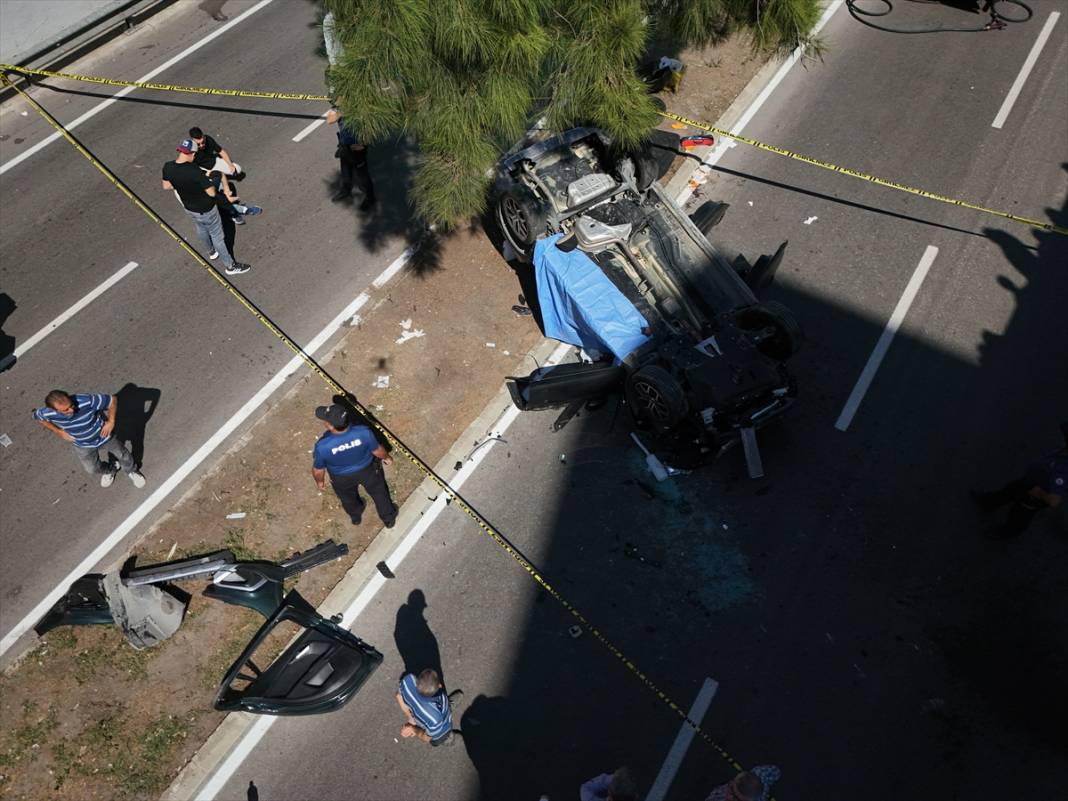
<point x="1042" y="486"/>
<point x="353" y="458"/>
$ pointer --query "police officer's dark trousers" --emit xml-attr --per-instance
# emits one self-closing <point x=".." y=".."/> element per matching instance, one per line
<point x="347" y="489"/>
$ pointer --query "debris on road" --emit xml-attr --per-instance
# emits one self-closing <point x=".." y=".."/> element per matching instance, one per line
<point x="811" y="220"/>
<point x="235" y="516"/>
<point x="382" y="382"/>
<point x="408" y="333"/>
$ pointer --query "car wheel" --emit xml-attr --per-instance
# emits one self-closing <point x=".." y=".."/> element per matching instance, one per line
<point x="522" y="220"/>
<point x="708" y="215"/>
<point x="655" y="397"/>
<point x="783" y="334"/>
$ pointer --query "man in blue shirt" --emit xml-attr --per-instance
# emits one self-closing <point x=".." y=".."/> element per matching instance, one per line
<point x="87" y="421"/>
<point x="353" y="158"/>
<point x="353" y="458"/>
<point x="423" y="700"/>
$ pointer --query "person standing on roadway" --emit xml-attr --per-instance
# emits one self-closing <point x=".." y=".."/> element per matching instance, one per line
<point x="353" y="158"/>
<point x="353" y="458"/>
<point x="749" y="785"/>
<point x="87" y="422"/>
<point x="197" y="196"/>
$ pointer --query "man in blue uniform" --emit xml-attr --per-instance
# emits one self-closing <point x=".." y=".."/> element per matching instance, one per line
<point x="1042" y="486"/>
<point x="353" y="458"/>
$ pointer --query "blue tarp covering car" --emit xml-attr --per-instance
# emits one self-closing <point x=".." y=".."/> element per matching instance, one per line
<point x="581" y="306"/>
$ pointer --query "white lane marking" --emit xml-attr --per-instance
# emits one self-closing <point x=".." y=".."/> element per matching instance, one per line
<point x="246" y="744"/>
<point x="311" y="127"/>
<point x="1025" y="70"/>
<point x="883" y="345"/>
<point x="123" y="92"/>
<point x="73" y="310"/>
<point x="725" y="143"/>
<point x="682" y="742"/>
<point x="254" y="404"/>
<point x="395" y="267"/>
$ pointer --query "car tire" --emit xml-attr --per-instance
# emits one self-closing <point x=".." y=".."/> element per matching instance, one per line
<point x="655" y="397"/>
<point x="646" y="169"/>
<point x="787" y="335"/>
<point x="522" y="220"/>
<point x="708" y="215"/>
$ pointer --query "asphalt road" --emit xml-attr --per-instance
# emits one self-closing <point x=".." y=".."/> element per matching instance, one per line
<point x="188" y="355"/>
<point x="864" y="634"/>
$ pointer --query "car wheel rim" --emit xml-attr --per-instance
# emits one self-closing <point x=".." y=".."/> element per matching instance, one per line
<point x="514" y="219"/>
<point x="651" y="401"/>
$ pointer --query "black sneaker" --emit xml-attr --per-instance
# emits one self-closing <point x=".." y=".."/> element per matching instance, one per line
<point x="342" y="196"/>
<point x="237" y="268"/>
<point x="239" y="220"/>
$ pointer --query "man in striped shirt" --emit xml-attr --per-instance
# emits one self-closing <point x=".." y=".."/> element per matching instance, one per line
<point x="427" y="707"/>
<point x="87" y="421"/>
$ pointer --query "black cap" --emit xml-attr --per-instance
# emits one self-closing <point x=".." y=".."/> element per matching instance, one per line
<point x="335" y="415"/>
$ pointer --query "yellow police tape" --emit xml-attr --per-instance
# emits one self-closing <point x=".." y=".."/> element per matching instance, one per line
<point x="1045" y="226"/>
<point x="458" y="500"/>
<point x="166" y="87"/>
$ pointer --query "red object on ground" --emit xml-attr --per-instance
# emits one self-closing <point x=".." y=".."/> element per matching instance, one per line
<point x="697" y="141"/>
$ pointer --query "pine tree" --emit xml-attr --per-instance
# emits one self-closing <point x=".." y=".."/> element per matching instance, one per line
<point x="464" y="78"/>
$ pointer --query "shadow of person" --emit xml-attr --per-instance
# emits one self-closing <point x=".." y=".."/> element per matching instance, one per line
<point x="504" y="771"/>
<point x="135" y="406"/>
<point x="7" y="342"/>
<point x="415" y="641"/>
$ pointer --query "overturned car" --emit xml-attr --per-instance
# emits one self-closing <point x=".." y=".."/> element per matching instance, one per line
<point x="625" y="274"/>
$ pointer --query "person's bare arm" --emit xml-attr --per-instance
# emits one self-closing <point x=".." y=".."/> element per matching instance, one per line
<point x="332" y="116"/>
<point x="109" y="424"/>
<point x="404" y="708"/>
<point x="167" y="186"/>
<point x="320" y="477"/>
<point x="380" y="452"/>
<point x="226" y="157"/>
<point x="1048" y="498"/>
<point x="414" y="730"/>
<point x="59" y="432"/>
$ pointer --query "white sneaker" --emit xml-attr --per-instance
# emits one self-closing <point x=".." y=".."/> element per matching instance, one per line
<point x="213" y="255"/>
<point x="108" y="478"/>
<point x="137" y="479"/>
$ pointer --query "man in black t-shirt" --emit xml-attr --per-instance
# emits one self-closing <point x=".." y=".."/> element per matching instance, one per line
<point x="197" y="195"/>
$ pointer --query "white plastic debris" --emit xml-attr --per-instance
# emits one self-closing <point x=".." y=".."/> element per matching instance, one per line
<point x="235" y="516"/>
<point x="5" y="440"/>
<point x="811" y="220"/>
<point x="750" y="202"/>
<point x="170" y="553"/>
<point x="382" y="382"/>
<point x="355" y="321"/>
<point x="408" y="333"/>
<point x="491" y="344"/>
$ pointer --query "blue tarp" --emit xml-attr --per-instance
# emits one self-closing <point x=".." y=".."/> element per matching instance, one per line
<point x="581" y="306"/>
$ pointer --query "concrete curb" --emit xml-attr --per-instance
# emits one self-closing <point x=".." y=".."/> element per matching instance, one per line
<point x="236" y="725"/>
<point x="684" y="182"/>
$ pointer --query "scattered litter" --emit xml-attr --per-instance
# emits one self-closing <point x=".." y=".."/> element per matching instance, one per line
<point x="24" y="113"/>
<point x="382" y="382"/>
<point x="522" y="311"/>
<point x="355" y="321"/>
<point x="396" y="740"/>
<point x="724" y="526"/>
<point x="697" y="141"/>
<point x="407" y="332"/>
<point x="383" y="568"/>
<point x="235" y="516"/>
<point x="55" y="501"/>
<point x="506" y="353"/>
<point x="656" y="467"/>
<point x="575" y="631"/>
<point x="379" y="407"/>
<point x="678" y="126"/>
<point x="750" y="202"/>
<point x="491" y="344"/>
<point x="170" y="553"/>
<point x="5" y="440"/>
<point x="631" y="551"/>
<point x="457" y="466"/>
<point x="563" y="458"/>
<point x="811" y="220"/>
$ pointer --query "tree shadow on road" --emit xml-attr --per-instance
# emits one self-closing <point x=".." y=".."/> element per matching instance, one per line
<point x="7" y="342"/>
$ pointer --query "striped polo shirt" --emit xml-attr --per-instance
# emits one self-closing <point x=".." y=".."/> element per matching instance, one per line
<point x="90" y="413"/>
<point x="433" y="714"/>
